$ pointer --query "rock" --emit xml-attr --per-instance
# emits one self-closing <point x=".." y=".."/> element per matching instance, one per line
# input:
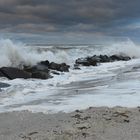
<point x="39" y="71"/>
<point x="119" y="58"/>
<point x="64" y="67"/>
<point x="29" y="69"/>
<point x="115" y="58"/>
<point x="86" y="61"/>
<point x="1" y="74"/>
<point x="94" y="60"/>
<point x="41" y="67"/>
<point x="13" y="73"/>
<point x="54" y="66"/>
<point x="59" y="67"/>
<point x="104" y="58"/>
<point x="46" y="63"/>
<point x="41" y="75"/>
<point x="82" y="61"/>
<point x="38" y="67"/>
<point x="126" y="58"/>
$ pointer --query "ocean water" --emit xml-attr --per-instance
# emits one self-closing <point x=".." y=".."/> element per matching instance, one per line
<point x="108" y="84"/>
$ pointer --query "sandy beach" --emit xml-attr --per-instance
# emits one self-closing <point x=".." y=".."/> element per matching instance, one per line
<point x="102" y="123"/>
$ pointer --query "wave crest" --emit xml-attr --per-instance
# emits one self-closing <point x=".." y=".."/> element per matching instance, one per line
<point x="16" y="54"/>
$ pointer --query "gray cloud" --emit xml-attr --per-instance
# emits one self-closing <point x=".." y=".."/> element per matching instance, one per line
<point x="67" y="16"/>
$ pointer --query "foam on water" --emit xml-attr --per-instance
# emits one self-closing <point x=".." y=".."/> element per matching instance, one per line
<point x="16" y="54"/>
<point x="109" y="84"/>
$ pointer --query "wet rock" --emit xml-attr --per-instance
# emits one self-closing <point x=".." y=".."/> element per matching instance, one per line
<point x="104" y="58"/>
<point x="54" y="66"/>
<point x="89" y="61"/>
<point x="43" y="69"/>
<point x="119" y="58"/>
<point x="64" y="67"/>
<point x="13" y="73"/>
<point x="1" y="74"/>
<point x="59" y="67"/>
<point x="94" y="60"/>
<point x="115" y="58"/>
<point x="82" y="61"/>
<point x="41" y="75"/>
<point x="39" y="71"/>
<point x="126" y="58"/>
<point x="29" y="69"/>
<point x="46" y="63"/>
<point x="38" y="67"/>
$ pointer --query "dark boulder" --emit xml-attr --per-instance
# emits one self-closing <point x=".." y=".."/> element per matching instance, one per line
<point x="54" y="66"/>
<point x="46" y="63"/>
<point x="86" y="61"/>
<point x="38" y="67"/>
<point x="82" y="61"/>
<point x="59" y="67"/>
<point x="41" y="75"/>
<point x="29" y="69"/>
<point x="64" y="67"/>
<point x="1" y="74"/>
<point x="13" y="73"/>
<point x="119" y="58"/>
<point x="94" y="60"/>
<point x="104" y="58"/>
<point x="115" y="58"/>
<point x="126" y="58"/>
<point x="39" y="71"/>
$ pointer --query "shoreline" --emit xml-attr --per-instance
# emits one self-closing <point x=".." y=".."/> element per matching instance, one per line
<point x="94" y="123"/>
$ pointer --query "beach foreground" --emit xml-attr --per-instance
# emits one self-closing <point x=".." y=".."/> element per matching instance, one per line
<point x="102" y="123"/>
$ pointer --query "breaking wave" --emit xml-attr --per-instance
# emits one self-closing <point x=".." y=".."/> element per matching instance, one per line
<point x="16" y="54"/>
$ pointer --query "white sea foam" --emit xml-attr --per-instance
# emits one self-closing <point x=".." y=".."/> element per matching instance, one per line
<point x="108" y="84"/>
<point x="15" y="53"/>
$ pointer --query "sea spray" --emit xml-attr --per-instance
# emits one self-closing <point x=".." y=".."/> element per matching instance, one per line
<point x="16" y="53"/>
<point x="126" y="47"/>
<point x="109" y="84"/>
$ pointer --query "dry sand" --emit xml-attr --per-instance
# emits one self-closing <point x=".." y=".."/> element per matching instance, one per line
<point x="92" y="124"/>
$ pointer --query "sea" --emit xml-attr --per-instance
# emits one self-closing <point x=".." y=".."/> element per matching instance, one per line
<point x="108" y="84"/>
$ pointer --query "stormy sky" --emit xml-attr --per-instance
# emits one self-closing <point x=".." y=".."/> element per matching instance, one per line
<point x="99" y="17"/>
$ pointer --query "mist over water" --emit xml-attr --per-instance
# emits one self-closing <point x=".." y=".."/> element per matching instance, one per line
<point x="17" y="53"/>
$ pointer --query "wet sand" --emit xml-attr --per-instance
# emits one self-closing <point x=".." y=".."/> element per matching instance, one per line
<point x="91" y="124"/>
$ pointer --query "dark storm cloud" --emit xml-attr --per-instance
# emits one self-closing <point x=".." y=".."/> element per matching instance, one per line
<point x="67" y="16"/>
